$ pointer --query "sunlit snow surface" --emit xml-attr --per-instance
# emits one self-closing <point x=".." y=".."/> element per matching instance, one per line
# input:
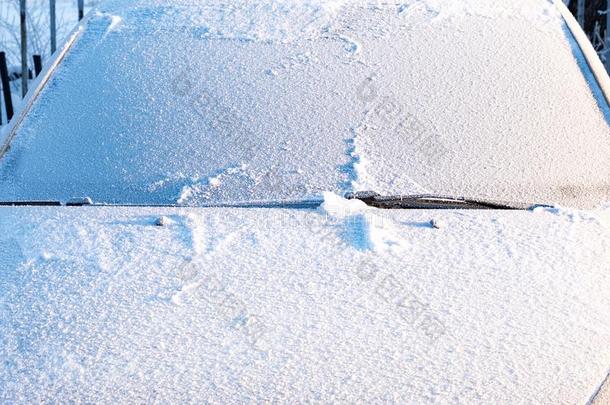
<point x="187" y="103"/>
<point x="200" y="102"/>
<point x="341" y="304"/>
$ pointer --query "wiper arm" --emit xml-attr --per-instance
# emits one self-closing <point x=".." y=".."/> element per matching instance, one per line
<point x="30" y="204"/>
<point x="431" y="201"/>
<point x="73" y="202"/>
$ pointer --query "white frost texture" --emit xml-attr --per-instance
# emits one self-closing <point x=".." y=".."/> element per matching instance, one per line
<point x="198" y="103"/>
<point x="342" y="304"/>
<point x="195" y="103"/>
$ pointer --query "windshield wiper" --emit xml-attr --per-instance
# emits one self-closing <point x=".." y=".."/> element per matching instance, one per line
<point x="30" y="204"/>
<point x="431" y="201"/>
<point x="373" y="199"/>
<point x="73" y="202"/>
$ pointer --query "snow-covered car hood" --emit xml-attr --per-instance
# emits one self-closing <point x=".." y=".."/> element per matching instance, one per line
<point x="342" y="303"/>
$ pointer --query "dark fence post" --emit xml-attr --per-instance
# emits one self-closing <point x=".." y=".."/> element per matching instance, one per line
<point x="81" y="9"/>
<point x="580" y="12"/>
<point x="53" y="26"/>
<point x="37" y="64"/>
<point x="6" y="86"/>
<point x="608" y="36"/>
<point x="24" y="49"/>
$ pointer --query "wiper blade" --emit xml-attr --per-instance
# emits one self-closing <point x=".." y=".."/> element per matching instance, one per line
<point x="431" y="201"/>
<point x="73" y="202"/>
<point x="30" y="204"/>
<point x="289" y="204"/>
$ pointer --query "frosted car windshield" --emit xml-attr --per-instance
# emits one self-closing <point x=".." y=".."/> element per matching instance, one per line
<point x="198" y="104"/>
